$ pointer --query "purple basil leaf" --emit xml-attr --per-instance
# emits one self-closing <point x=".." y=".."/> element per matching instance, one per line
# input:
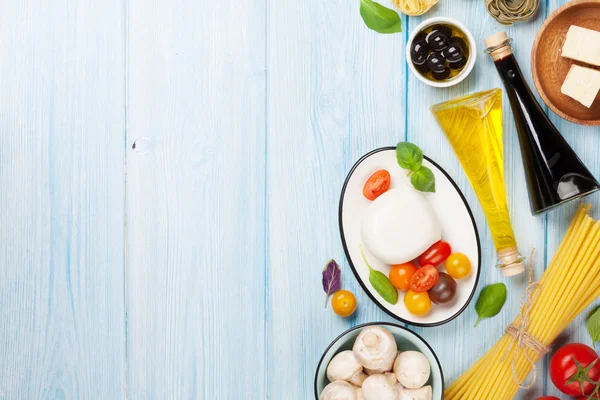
<point x="332" y="281"/>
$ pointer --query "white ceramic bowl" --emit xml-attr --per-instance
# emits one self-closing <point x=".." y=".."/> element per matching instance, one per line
<point x="405" y="340"/>
<point x="472" y="51"/>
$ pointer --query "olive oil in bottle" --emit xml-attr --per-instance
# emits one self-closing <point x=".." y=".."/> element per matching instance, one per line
<point x="554" y="173"/>
<point x="473" y="126"/>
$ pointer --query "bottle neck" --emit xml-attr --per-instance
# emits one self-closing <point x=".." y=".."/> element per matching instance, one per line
<point x="500" y="51"/>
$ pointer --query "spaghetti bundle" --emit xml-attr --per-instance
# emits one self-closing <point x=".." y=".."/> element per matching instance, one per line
<point x="569" y="285"/>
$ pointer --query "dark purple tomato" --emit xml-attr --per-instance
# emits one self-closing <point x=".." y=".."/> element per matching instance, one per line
<point x="436" y="62"/>
<point x="444" y="290"/>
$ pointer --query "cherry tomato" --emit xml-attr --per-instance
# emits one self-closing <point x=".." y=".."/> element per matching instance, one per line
<point x="458" y="265"/>
<point x="417" y="303"/>
<point x="596" y="396"/>
<point x="400" y="275"/>
<point x="563" y="367"/>
<point x="424" y="279"/>
<point x="436" y="254"/>
<point x="377" y="184"/>
<point x="343" y="303"/>
<point x="444" y="290"/>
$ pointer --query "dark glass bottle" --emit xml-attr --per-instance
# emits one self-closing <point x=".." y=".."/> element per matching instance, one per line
<point x="555" y="174"/>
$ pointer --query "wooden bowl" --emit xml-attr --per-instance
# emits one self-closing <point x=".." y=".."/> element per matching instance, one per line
<point x="550" y="68"/>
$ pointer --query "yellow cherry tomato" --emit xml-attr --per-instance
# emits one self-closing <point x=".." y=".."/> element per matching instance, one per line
<point x="417" y="303"/>
<point x="458" y="265"/>
<point x="343" y="303"/>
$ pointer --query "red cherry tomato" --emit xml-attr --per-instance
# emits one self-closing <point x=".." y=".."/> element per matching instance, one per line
<point x="424" y="279"/>
<point x="563" y="367"/>
<point x="377" y="184"/>
<point x="436" y="254"/>
<point x="596" y="396"/>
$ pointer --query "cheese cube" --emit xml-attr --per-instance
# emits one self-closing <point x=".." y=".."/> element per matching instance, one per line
<point x="582" y="45"/>
<point x="582" y="84"/>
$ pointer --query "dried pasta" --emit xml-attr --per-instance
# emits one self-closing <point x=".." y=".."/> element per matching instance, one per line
<point x="414" y="7"/>
<point x="569" y="285"/>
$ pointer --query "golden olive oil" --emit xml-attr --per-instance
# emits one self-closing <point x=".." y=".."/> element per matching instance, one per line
<point x="473" y="125"/>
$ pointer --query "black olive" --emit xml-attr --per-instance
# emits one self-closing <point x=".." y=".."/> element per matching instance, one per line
<point x="458" y="64"/>
<point x="423" y="68"/>
<point x="420" y="36"/>
<point x="456" y="39"/>
<point x="454" y="52"/>
<point x="437" y="40"/>
<point x="445" y="29"/>
<point x="419" y="51"/>
<point x="440" y="76"/>
<point x="436" y="62"/>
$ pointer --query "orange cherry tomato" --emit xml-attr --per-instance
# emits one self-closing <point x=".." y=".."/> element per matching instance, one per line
<point x="458" y="265"/>
<point x="343" y="303"/>
<point x="377" y="184"/>
<point x="417" y="303"/>
<point x="424" y="279"/>
<point x="400" y="275"/>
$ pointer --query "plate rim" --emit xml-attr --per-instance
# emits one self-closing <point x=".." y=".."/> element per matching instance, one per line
<point x="534" y="71"/>
<point x="360" y="326"/>
<point x="354" y="270"/>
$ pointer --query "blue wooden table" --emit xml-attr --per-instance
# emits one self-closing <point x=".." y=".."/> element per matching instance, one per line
<point x="169" y="180"/>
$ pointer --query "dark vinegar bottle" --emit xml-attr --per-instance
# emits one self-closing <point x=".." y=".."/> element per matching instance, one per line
<point x="555" y="174"/>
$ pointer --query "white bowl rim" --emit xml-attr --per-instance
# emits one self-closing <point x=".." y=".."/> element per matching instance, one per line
<point x="472" y="53"/>
<point x="416" y="335"/>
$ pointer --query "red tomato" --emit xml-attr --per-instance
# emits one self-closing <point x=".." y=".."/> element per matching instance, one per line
<point x="377" y="184"/>
<point x="596" y="396"/>
<point x="564" y="368"/>
<point x="424" y="279"/>
<point x="436" y="254"/>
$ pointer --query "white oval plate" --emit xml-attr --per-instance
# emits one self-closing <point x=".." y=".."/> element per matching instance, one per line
<point x="453" y="212"/>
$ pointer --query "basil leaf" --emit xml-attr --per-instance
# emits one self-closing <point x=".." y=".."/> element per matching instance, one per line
<point x="381" y="282"/>
<point x="490" y="301"/>
<point x="379" y="18"/>
<point x="423" y="180"/>
<point x="383" y="286"/>
<point x="409" y="156"/>
<point x="593" y="325"/>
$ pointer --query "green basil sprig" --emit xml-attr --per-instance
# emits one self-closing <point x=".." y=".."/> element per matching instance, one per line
<point x="381" y="283"/>
<point x="490" y="301"/>
<point x="379" y="18"/>
<point x="593" y="325"/>
<point x="410" y="157"/>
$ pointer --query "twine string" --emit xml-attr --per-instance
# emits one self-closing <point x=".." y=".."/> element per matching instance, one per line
<point x="525" y="341"/>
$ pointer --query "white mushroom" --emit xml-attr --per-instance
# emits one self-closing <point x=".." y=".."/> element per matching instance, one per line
<point x="359" y="395"/>
<point x="375" y="348"/>
<point x="412" y="369"/>
<point x="378" y="387"/>
<point x="423" y="393"/>
<point x="339" y="390"/>
<point x="345" y="367"/>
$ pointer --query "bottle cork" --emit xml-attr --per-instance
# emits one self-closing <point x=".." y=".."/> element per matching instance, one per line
<point x="510" y="261"/>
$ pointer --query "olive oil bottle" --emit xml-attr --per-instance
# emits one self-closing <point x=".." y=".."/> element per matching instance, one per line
<point x="473" y="125"/>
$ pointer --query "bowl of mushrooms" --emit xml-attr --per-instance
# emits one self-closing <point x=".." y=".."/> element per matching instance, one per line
<point x="379" y="361"/>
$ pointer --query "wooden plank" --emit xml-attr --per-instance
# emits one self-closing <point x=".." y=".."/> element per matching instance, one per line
<point x="62" y="274"/>
<point x="584" y="140"/>
<point x="195" y="188"/>
<point x="336" y="91"/>
<point x="465" y="345"/>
